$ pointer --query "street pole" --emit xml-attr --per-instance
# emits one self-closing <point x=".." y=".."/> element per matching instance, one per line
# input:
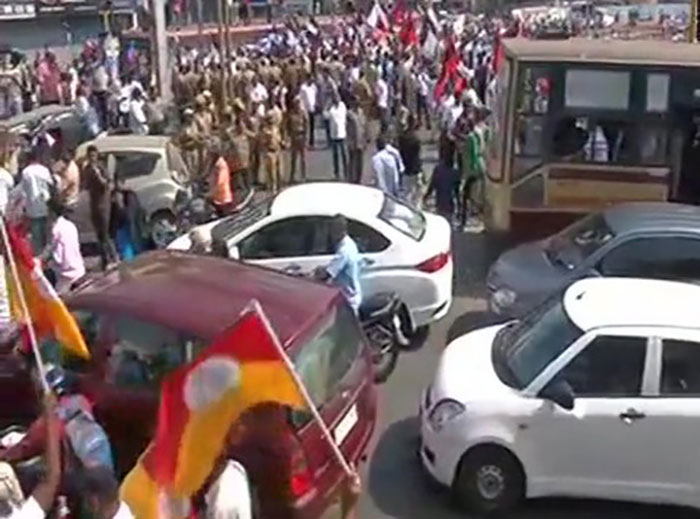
<point x="693" y="25"/>
<point x="160" y="38"/>
<point x="200" y="23"/>
<point x="222" y="51"/>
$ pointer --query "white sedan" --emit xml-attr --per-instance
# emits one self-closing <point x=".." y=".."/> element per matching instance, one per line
<point x="405" y="250"/>
<point x="595" y="394"/>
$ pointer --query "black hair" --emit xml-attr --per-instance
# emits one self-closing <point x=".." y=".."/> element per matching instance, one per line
<point x="92" y="148"/>
<point x="100" y="482"/>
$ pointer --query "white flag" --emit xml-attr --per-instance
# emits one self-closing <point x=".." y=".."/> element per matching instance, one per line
<point x="377" y="17"/>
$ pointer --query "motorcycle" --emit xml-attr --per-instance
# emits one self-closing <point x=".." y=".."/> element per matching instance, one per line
<point x="380" y="316"/>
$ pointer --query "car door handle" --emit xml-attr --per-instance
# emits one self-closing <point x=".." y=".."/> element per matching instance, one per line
<point x="631" y="415"/>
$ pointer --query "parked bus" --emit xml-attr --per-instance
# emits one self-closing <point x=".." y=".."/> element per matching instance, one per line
<point x="580" y="124"/>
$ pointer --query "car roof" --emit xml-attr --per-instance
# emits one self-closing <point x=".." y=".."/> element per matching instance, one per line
<point x="597" y="302"/>
<point x="203" y="295"/>
<point x="653" y="217"/>
<point x="328" y="198"/>
<point x="36" y="115"/>
<point x="129" y="142"/>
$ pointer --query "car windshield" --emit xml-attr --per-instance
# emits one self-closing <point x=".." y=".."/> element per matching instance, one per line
<point x="323" y="361"/>
<point x="403" y="218"/>
<point x="522" y="349"/>
<point x="573" y="245"/>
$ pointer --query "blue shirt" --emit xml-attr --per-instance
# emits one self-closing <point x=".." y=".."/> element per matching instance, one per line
<point x="344" y="268"/>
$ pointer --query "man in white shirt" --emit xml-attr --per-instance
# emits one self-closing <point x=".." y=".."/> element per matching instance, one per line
<point x="381" y="93"/>
<point x="386" y="168"/>
<point x="6" y="185"/>
<point x="100" y="492"/>
<point x="36" y="182"/>
<point x="309" y="98"/>
<point x="138" y="123"/>
<point x="337" y="114"/>
<point x="228" y="497"/>
<point x="259" y="93"/>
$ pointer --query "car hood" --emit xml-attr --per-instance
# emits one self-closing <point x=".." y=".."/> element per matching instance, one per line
<point x="525" y="269"/>
<point x="466" y="370"/>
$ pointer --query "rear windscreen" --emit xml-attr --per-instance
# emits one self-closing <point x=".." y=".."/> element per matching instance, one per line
<point x="402" y="217"/>
<point x="325" y="359"/>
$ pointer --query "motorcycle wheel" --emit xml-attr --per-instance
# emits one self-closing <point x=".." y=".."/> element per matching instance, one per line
<point x="384" y="352"/>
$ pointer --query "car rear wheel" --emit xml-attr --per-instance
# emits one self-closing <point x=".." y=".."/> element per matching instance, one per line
<point x="489" y="480"/>
<point x="162" y="229"/>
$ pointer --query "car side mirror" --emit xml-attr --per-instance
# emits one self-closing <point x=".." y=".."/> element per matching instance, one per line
<point x="560" y="392"/>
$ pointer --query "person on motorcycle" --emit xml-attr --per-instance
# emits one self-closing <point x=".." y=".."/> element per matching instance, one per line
<point x="344" y="269"/>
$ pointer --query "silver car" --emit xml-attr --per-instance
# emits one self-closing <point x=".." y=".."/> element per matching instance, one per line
<point x="152" y="167"/>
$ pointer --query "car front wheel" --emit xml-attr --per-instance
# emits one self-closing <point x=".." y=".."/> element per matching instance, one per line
<point x="162" y="229"/>
<point x="490" y="480"/>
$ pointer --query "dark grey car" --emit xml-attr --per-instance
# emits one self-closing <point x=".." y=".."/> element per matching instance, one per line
<point x="648" y="240"/>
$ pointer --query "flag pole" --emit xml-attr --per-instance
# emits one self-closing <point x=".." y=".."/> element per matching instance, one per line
<point x="23" y="303"/>
<point x="302" y="389"/>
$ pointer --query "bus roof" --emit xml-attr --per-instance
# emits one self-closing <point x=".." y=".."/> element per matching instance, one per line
<point x="582" y="50"/>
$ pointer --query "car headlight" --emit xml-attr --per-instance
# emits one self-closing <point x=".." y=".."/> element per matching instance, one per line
<point x="504" y="297"/>
<point x="443" y="412"/>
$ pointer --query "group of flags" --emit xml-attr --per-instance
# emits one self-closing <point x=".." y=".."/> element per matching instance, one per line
<point x="244" y="367"/>
<point x="409" y="25"/>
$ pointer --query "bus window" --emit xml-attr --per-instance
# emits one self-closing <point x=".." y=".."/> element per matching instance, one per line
<point x="533" y="100"/>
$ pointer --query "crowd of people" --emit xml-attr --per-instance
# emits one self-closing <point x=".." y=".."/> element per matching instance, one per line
<point x="255" y="116"/>
<point x="249" y="117"/>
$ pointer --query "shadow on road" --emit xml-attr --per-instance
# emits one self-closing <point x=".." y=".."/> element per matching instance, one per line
<point x="473" y="255"/>
<point x="400" y="489"/>
<point x="471" y="321"/>
<point x="397" y="485"/>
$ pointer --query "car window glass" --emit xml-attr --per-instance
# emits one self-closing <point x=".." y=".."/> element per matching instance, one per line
<point x="90" y="324"/>
<point x="134" y="164"/>
<point x="293" y="237"/>
<point x="665" y="258"/>
<point x="145" y="352"/>
<point x="680" y="368"/>
<point x="328" y="356"/>
<point x="366" y="238"/>
<point x="608" y="366"/>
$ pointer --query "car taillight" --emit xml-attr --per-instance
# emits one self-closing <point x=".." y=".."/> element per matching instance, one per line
<point x="301" y="480"/>
<point x="435" y="263"/>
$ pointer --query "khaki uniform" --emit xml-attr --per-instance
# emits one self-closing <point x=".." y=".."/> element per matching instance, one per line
<point x="297" y="130"/>
<point x="270" y="147"/>
<point x="190" y="142"/>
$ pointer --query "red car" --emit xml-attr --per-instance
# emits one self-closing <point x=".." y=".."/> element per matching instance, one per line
<point x="150" y="316"/>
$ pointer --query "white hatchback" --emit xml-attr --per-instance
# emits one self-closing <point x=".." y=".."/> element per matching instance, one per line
<point x="405" y="250"/>
<point x="594" y="394"/>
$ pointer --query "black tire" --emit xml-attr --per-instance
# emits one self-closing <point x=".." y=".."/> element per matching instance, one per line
<point x="385" y="364"/>
<point x="157" y="226"/>
<point x="502" y="486"/>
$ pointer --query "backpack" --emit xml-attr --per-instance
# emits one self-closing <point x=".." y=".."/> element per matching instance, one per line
<point x="87" y="438"/>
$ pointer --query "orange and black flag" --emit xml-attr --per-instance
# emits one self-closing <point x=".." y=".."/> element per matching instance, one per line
<point x="242" y="368"/>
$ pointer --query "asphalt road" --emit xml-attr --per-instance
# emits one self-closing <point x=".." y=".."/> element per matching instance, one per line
<point x="395" y="485"/>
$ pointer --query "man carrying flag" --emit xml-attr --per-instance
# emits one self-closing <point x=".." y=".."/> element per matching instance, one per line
<point x="243" y="369"/>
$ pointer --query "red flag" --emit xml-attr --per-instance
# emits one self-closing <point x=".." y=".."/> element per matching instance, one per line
<point x="498" y="54"/>
<point x="47" y="312"/>
<point x="450" y="65"/>
<point x="199" y="402"/>
<point x="408" y="35"/>
<point x="400" y="13"/>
